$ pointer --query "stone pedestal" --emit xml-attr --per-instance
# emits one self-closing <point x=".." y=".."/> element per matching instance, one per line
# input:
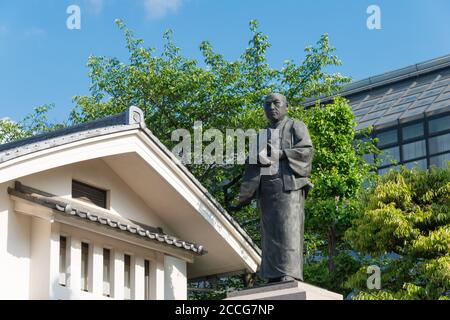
<point x="290" y="290"/>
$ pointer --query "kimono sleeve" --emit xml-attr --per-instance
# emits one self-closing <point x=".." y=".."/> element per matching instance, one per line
<point x="300" y="155"/>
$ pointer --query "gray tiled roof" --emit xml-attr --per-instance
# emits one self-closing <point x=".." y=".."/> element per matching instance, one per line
<point x="131" y="119"/>
<point x="403" y="95"/>
<point x="68" y="208"/>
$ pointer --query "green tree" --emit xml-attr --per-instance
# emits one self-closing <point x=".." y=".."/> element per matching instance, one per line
<point x="175" y="91"/>
<point x="34" y="123"/>
<point x="405" y="228"/>
<point x="338" y="175"/>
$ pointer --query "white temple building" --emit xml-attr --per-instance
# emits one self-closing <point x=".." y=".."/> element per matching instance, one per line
<point x="103" y="210"/>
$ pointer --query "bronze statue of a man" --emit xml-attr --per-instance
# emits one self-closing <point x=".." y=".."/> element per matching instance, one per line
<point x="281" y="189"/>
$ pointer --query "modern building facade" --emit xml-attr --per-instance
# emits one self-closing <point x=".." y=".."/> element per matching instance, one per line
<point x="104" y="211"/>
<point x="409" y="110"/>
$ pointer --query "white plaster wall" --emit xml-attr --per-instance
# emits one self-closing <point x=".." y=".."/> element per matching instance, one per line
<point x="18" y="232"/>
<point x="175" y="279"/>
<point x="14" y="250"/>
<point x="123" y="201"/>
<point x="40" y="259"/>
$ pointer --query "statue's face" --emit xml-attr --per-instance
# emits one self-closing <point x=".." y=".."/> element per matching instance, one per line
<point x="275" y="107"/>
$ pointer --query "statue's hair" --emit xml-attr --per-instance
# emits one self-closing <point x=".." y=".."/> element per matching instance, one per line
<point x="279" y="94"/>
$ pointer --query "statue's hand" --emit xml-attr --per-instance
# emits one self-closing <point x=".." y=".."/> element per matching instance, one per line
<point x="263" y="160"/>
<point x="277" y="153"/>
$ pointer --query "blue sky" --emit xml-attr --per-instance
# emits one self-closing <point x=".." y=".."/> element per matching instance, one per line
<point x="42" y="61"/>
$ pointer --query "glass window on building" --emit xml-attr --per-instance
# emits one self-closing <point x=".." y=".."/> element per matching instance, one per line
<point x="369" y="158"/>
<point x="440" y="160"/>
<point x="387" y="137"/>
<point x="439" y="144"/>
<point x="412" y="131"/>
<point x="387" y="170"/>
<point x="414" y="150"/>
<point x="389" y="156"/>
<point x="418" y="164"/>
<point x="439" y="124"/>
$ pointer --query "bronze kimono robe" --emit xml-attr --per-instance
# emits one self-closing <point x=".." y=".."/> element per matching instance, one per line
<point x="281" y="200"/>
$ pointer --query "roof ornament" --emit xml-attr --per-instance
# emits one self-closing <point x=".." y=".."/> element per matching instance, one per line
<point x="135" y="115"/>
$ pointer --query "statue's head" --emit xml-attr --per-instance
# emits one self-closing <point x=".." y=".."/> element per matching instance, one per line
<point x="275" y="106"/>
